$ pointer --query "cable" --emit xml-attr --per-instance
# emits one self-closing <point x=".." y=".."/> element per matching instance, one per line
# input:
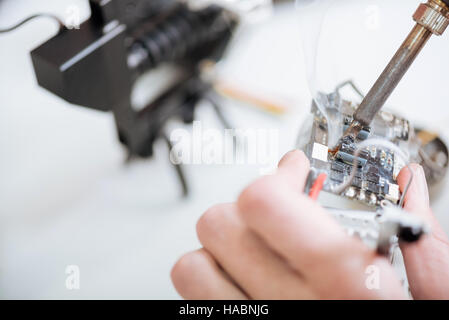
<point x="218" y="111"/>
<point x="38" y="15"/>
<point x="178" y="167"/>
<point x="353" y="86"/>
<point x="382" y="143"/>
<point x="317" y="186"/>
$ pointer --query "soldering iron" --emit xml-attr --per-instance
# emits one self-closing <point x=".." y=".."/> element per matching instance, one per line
<point x="432" y="18"/>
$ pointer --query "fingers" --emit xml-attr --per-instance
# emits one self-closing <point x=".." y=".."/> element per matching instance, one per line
<point x="197" y="276"/>
<point x="292" y="224"/>
<point x="258" y="271"/>
<point x="294" y="168"/>
<point x="276" y="243"/>
<point x="306" y="236"/>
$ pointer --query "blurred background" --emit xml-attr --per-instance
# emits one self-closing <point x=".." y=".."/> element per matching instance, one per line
<point x="68" y="197"/>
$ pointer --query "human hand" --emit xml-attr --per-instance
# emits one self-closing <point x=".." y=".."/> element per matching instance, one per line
<point x="427" y="261"/>
<point x="276" y="243"/>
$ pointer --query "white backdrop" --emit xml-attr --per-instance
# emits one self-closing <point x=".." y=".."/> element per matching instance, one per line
<point x="66" y="197"/>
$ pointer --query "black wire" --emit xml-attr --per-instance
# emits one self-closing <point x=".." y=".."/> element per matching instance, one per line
<point x="211" y="97"/>
<point x="34" y="16"/>
<point x="219" y="112"/>
<point x="178" y="168"/>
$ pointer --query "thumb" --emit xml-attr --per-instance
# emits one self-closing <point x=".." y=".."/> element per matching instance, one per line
<point x="426" y="261"/>
<point x="417" y="197"/>
<point x="294" y="168"/>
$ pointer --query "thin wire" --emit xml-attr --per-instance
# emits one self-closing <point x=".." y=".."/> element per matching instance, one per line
<point x="372" y="142"/>
<point x="34" y="16"/>
<point x="353" y="86"/>
<point x="382" y="143"/>
<point x="317" y="186"/>
<point x="178" y="167"/>
<point x="218" y="111"/>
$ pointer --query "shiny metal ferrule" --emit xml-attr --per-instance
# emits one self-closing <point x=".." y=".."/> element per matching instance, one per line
<point x="433" y="15"/>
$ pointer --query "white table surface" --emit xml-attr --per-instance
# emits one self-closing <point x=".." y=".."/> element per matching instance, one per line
<point x="66" y="197"/>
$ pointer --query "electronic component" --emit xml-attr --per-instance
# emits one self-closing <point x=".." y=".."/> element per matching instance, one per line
<point x="364" y="169"/>
<point x="375" y="175"/>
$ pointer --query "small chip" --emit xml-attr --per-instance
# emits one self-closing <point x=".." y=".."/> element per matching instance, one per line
<point x="320" y="152"/>
<point x="393" y="193"/>
<point x="373" y="187"/>
<point x="337" y="176"/>
<point x="337" y="166"/>
<point x="373" y="170"/>
<point x="371" y="177"/>
<point x="357" y="182"/>
<point x="349" y="159"/>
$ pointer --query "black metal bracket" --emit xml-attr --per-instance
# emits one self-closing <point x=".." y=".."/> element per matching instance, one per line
<point x="98" y="65"/>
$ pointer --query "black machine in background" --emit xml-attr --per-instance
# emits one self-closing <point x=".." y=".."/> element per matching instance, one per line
<point x="97" y="65"/>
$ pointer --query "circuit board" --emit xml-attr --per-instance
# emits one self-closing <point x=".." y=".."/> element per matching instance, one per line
<point x="376" y="168"/>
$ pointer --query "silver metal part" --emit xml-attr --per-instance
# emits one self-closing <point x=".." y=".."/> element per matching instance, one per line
<point x="419" y="146"/>
<point x="433" y="155"/>
<point x="433" y="16"/>
<point x="368" y="167"/>
<point x="381" y="230"/>
<point x="365" y="173"/>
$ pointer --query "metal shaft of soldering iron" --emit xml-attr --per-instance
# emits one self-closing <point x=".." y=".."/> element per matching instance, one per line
<point x="432" y="18"/>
